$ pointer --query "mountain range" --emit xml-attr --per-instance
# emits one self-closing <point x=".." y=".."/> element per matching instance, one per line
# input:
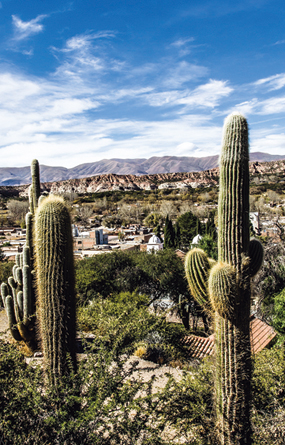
<point x="13" y="176"/>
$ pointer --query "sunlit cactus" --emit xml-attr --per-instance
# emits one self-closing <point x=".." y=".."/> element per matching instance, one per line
<point x="227" y="285"/>
<point x="197" y="269"/>
<point x="19" y="295"/>
<point x="55" y="287"/>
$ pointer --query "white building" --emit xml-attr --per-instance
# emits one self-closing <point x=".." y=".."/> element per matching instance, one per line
<point x="196" y="241"/>
<point x="154" y="244"/>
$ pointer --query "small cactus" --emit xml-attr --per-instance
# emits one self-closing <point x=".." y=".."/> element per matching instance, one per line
<point x="19" y="295"/>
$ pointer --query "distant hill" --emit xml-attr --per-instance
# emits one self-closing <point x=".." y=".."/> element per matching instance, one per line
<point x="11" y="176"/>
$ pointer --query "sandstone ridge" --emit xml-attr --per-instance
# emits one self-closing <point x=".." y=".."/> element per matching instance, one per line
<point x="264" y="171"/>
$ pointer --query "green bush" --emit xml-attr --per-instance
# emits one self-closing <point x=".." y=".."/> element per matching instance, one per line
<point x="156" y="275"/>
<point x="104" y="405"/>
<point x="269" y="397"/>
<point x="124" y="320"/>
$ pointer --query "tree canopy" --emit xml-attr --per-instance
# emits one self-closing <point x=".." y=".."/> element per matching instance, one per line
<point x="157" y="275"/>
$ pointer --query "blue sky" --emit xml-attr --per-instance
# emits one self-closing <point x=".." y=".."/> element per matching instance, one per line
<point x="87" y="80"/>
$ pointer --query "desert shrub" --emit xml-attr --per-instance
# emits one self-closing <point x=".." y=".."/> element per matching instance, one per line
<point x="100" y="406"/>
<point x="156" y="275"/>
<point x="104" y="404"/>
<point x="269" y="397"/>
<point x="125" y="322"/>
<point x="269" y="281"/>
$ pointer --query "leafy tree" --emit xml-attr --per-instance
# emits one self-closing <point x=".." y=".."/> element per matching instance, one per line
<point x="189" y="224"/>
<point x="209" y="245"/>
<point x="17" y="209"/>
<point x="270" y="280"/>
<point x="169" y="234"/>
<point x="279" y="313"/>
<point x="157" y="275"/>
<point x="157" y="231"/>
<point x="210" y="227"/>
<point x="153" y="219"/>
<point x="177" y="235"/>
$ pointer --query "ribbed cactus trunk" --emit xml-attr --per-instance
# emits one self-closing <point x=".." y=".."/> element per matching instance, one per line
<point x="230" y="288"/>
<point x="55" y="288"/>
<point x="223" y="288"/>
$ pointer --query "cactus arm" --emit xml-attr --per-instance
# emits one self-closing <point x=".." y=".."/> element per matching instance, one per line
<point x="27" y="299"/>
<point x="26" y="256"/>
<point x="12" y="319"/>
<point x="17" y="260"/>
<point x="20" y="303"/>
<point x="197" y="268"/>
<point x="36" y="187"/>
<point x="4" y="293"/>
<point x="255" y="253"/>
<point x="223" y="289"/>
<point x="19" y="277"/>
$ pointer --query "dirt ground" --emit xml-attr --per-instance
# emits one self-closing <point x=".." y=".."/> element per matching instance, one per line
<point x="4" y="326"/>
<point x="145" y="369"/>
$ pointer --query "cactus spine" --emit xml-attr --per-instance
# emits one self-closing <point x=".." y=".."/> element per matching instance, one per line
<point x="19" y="296"/>
<point x="229" y="287"/>
<point x="55" y="287"/>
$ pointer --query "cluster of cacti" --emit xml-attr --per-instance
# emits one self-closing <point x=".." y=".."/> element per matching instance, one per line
<point x="55" y="287"/>
<point x="224" y="287"/>
<point x="19" y="294"/>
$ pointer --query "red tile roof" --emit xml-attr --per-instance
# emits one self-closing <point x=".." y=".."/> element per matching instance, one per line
<point x="261" y="336"/>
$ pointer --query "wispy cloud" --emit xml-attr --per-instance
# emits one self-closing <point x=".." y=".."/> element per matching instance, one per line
<point x="279" y="42"/>
<point x="183" y="72"/>
<point x="84" y="41"/>
<point x="83" y="54"/>
<point x="216" y="8"/>
<point x="182" y="42"/>
<point x="23" y="30"/>
<point x="273" y="82"/>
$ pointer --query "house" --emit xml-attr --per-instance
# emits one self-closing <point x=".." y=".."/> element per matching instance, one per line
<point x="88" y="240"/>
<point x="261" y="336"/>
<point x="154" y="244"/>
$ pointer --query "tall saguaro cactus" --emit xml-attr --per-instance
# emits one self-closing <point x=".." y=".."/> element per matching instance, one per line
<point x="19" y="296"/>
<point x="55" y="287"/>
<point x="227" y="286"/>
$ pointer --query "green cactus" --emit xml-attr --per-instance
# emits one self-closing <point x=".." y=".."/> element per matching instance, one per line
<point x="197" y="268"/>
<point x="19" y="296"/>
<point x="35" y="187"/>
<point x="55" y="287"/>
<point x="228" y="287"/>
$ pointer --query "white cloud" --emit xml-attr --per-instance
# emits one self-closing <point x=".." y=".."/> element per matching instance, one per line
<point x="273" y="82"/>
<point x="271" y="143"/>
<point x="207" y="95"/>
<point x="57" y="119"/>
<point x="273" y="105"/>
<point x="279" y="42"/>
<point x="182" y="42"/>
<point x="183" y="72"/>
<point x="80" y="56"/>
<point x="23" y="30"/>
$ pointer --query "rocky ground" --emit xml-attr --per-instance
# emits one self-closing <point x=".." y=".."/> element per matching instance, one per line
<point x="145" y="369"/>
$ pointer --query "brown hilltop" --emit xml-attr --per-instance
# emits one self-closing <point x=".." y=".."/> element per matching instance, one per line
<point x="114" y="182"/>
